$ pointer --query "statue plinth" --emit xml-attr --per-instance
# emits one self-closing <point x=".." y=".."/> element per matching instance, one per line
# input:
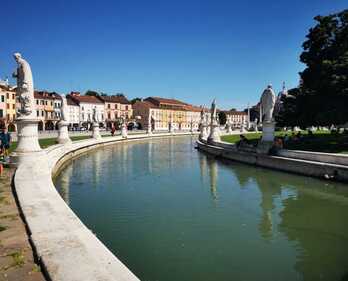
<point x="149" y="130"/>
<point x="63" y="133"/>
<point x="203" y="131"/>
<point x="267" y="139"/>
<point x="96" y="134"/>
<point x="28" y="141"/>
<point x="171" y="129"/>
<point x="124" y="132"/>
<point x="214" y="135"/>
<point x="229" y="129"/>
<point x="268" y="129"/>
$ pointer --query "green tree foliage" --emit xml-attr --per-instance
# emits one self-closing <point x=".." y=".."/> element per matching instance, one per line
<point x="133" y="101"/>
<point x="91" y="93"/>
<point x="322" y="97"/>
<point x="222" y="117"/>
<point x="326" y="56"/>
<point x="324" y="91"/>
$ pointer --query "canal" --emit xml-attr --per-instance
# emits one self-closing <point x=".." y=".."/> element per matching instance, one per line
<point x="170" y="213"/>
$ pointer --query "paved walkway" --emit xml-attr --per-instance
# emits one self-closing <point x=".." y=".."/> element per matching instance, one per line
<point x="16" y="256"/>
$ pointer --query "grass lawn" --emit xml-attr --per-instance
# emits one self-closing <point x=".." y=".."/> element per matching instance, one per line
<point x="321" y="141"/>
<point x="48" y="142"/>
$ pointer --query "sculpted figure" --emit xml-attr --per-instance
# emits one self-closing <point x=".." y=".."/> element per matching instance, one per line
<point x="25" y="86"/>
<point x="214" y="116"/>
<point x="267" y="103"/>
<point x="64" y="109"/>
<point x="94" y="116"/>
<point x="122" y="120"/>
<point x="202" y="115"/>
<point x="207" y="118"/>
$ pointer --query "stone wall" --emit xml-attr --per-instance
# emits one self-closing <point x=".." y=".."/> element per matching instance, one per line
<point x="298" y="166"/>
<point x="340" y="159"/>
<point x="66" y="248"/>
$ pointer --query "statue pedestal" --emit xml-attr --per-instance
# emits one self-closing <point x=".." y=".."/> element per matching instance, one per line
<point x="96" y="134"/>
<point x="171" y="129"/>
<point x="149" y="131"/>
<point x="124" y="132"/>
<point x="202" y="131"/>
<point x="63" y="133"/>
<point x="28" y="141"/>
<point x="214" y="135"/>
<point x="268" y="131"/>
<point x="267" y="137"/>
<point x="229" y="129"/>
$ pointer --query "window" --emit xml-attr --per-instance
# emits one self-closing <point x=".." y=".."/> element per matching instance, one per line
<point x="109" y="105"/>
<point x="13" y="106"/>
<point x="1" y="113"/>
<point x="2" y="98"/>
<point x="109" y="116"/>
<point x="13" y="96"/>
<point x="37" y="113"/>
<point x="42" y="113"/>
<point x="7" y="106"/>
<point x="126" y="107"/>
<point x="37" y="102"/>
<point x="7" y="96"/>
<point x="51" y="103"/>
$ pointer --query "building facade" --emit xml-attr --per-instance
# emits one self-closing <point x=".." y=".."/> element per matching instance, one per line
<point x="238" y="118"/>
<point x="161" y="113"/>
<point x="47" y="106"/>
<point x="86" y="108"/>
<point x="116" y="107"/>
<point x="7" y="106"/>
<point x="74" y="113"/>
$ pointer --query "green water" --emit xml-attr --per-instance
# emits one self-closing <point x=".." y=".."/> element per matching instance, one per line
<point x="172" y="213"/>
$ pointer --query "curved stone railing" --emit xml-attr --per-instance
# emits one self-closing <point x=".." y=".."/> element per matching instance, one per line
<point x="66" y="248"/>
<point x="308" y="164"/>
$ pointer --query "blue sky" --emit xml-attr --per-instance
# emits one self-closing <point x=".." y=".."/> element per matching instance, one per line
<point x="189" y="50"/>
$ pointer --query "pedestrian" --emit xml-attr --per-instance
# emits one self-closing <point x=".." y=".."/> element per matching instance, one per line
<point x="5" y="141"/>
<point x="113" y="130"/>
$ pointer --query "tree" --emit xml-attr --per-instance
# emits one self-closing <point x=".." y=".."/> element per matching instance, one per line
<point x="323" y="96"/>
<point x="222" y="117"/>
<point x="92" y="93"/>
<point x="289" y="114"/>
<point x="133" y="101"/>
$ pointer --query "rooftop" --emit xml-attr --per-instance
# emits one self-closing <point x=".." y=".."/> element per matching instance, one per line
<point x="85" y="99"/>
<point x="115" y="99"/>
<point x="47" y="95"/>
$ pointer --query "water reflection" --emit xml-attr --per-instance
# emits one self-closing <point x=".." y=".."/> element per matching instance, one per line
<point x="155" y="198"/>
<point x="314" y="225"/>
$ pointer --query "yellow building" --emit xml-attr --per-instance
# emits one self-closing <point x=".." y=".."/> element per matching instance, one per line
<point x="159" y="113"/>
<point x="7" y="107"/>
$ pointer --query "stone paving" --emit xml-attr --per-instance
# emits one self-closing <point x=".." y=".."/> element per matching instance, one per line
<point x="16" y="255"/>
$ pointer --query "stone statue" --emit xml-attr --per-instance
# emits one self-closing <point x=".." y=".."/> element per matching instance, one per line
<point x="214" y="117"/>
<point x="267" y="104"/>
<point x="202" y="115"/>
<point x="206" y="118"/>
<point x="94" y="116"/>
<point x="64" y="109"/>
<point x="122" y="120"/>
<point x="25" y="86"/>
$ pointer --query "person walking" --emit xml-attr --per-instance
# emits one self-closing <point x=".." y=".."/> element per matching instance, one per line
<point x="5" y="138"/>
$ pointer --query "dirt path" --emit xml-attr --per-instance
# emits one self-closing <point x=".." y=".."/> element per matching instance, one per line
<point x="16" y="255"/>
